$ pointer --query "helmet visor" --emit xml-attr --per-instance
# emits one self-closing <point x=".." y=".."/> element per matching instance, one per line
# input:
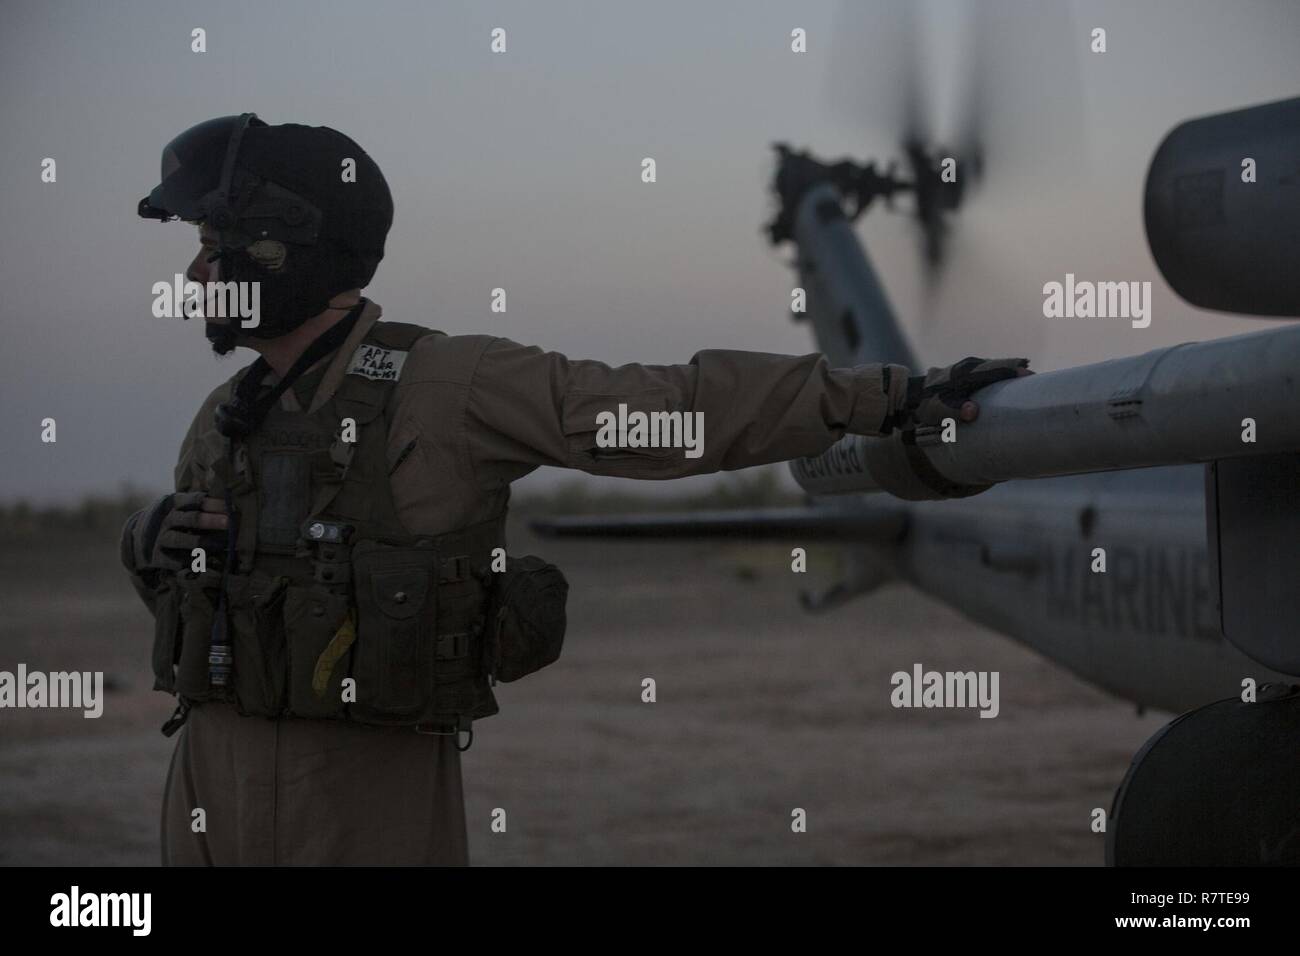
<point x="191" y="171"/>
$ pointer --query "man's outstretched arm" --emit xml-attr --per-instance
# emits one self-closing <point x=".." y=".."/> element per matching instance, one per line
<point x="527" y="407"/>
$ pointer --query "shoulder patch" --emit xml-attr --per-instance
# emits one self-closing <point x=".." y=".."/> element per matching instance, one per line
<point x="376" y="362"/>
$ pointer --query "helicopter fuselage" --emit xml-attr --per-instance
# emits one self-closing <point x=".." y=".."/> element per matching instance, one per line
<point x="1106" y="574"/>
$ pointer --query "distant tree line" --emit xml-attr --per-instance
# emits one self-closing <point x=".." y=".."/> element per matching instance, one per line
<point x="95" y="513"/>
<point x="105" y="514"/>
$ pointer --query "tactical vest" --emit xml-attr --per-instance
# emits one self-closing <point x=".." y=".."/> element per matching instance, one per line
<point x="329" y="586"/>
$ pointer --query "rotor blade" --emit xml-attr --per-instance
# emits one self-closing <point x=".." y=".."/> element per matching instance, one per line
<point x="993" y="321"/>
<point x="1015" y="118"/>
<point x="914" y="120"/>
<point x="1173" y="406"/>
<point x="996" y="80"/>
<point x="875" y="73"/>
<point x="973" y="103"/>
<point x="1021" y="111"/>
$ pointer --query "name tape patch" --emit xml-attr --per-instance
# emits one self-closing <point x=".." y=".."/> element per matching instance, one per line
<point x="378" y="363"/>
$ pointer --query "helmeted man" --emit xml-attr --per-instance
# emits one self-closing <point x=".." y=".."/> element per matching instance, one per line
<point x="332" y="596"/>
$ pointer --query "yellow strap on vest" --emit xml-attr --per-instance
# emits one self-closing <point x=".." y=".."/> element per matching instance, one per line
<point x="334" y="651"/>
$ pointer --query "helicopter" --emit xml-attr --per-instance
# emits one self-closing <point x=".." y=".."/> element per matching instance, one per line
<point x="1085" y="514"/>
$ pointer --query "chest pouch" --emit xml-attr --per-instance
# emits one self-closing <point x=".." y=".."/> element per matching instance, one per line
<point x="395" y="660"/>
<point x="526" y="618"/>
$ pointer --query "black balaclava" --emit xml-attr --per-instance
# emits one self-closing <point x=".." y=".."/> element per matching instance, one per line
<point x="301" y="210"/>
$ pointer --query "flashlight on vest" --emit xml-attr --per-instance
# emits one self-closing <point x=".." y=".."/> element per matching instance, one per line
<point x="326" y="532"/>
<point x="220" y="663"/>
<point x="221" y="656"/>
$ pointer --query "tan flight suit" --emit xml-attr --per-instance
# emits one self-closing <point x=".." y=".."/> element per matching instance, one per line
<point x="489" y="411"/>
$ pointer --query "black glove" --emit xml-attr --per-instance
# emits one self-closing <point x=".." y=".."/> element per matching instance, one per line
<point x="163" y="537"/>
<point x="942" y="392"/>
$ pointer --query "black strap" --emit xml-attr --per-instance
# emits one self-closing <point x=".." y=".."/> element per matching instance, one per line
<point x="241" y="416"/>
<point x="178" y="717"/>
<point x="237" y="420"/>
<point x="221" y="654"/>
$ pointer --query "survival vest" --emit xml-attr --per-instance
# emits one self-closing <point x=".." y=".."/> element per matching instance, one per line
<point x="330" y="587"/>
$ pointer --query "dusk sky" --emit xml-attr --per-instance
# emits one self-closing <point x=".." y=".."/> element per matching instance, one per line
<point x="522" y="170"/>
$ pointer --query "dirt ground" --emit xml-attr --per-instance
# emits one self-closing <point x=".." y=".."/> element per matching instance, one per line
<point x="760" y="709"/>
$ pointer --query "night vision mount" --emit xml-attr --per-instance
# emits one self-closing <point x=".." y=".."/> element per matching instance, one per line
<point x="242" y="207"/>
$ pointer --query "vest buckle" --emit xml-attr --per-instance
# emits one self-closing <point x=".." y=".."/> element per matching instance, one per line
<point x="341" y="453"/>
<point x="454" y="728"/>
<point x="178" y="717"/>
<point x="326" y="541"/>
<point x="454" y="568"/>
<point x="452" y="646"/>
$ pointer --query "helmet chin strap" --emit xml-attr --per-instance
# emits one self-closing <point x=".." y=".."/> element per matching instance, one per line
<point x="225" y="340"/>
<point x="240" y="416"/>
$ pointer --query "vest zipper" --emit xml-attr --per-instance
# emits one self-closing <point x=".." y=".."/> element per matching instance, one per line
<point x="410" y="446"/>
